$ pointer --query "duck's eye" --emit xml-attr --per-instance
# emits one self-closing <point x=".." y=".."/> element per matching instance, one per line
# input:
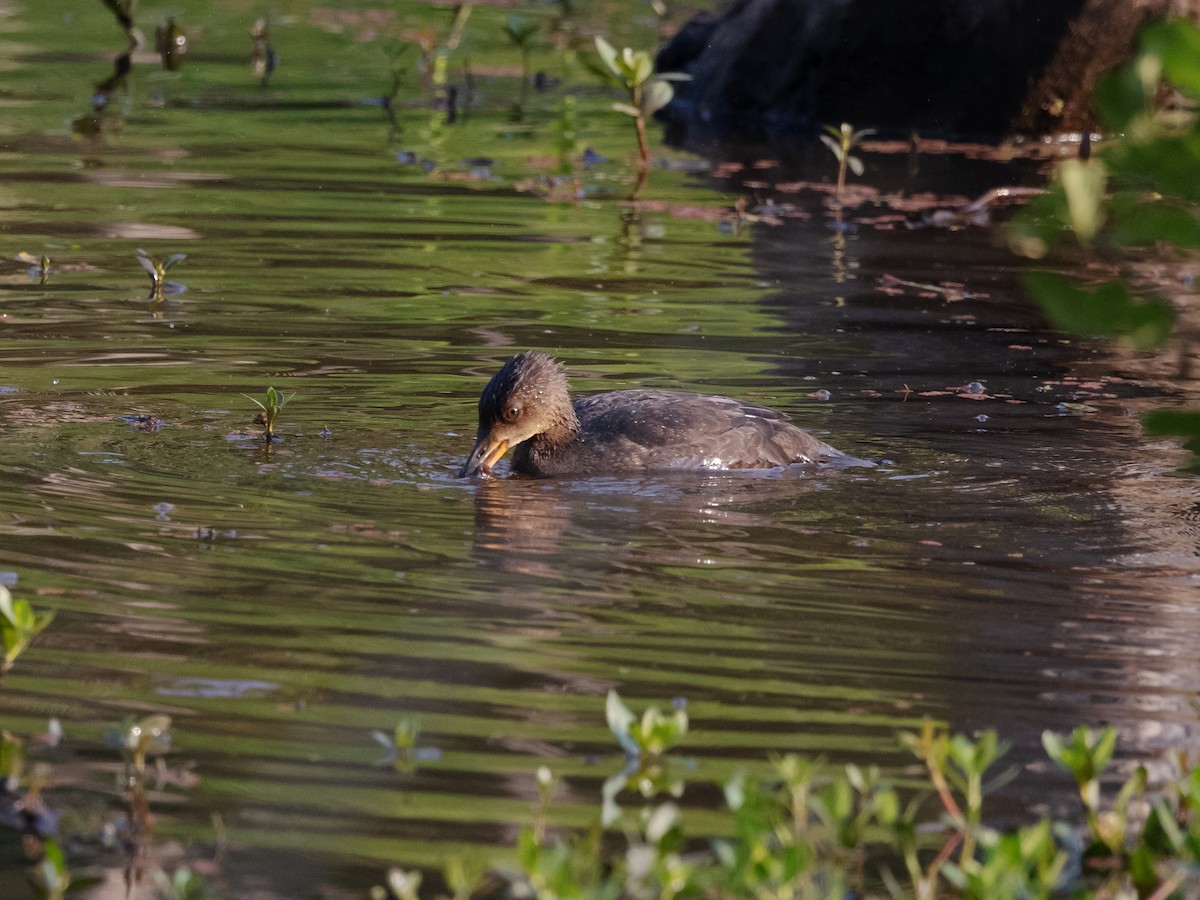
<point x="511" y="412"/>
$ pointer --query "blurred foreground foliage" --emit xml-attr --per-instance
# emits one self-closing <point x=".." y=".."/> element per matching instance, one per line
<point x="1139" y="190"/>
<point x="809" y="829"/>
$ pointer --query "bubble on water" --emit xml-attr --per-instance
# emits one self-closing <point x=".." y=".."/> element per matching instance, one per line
<point x="981" y="418"/>
<point x="822" y="394"/>
<point x="976" y="387"/>
<point x="55" y="381"/>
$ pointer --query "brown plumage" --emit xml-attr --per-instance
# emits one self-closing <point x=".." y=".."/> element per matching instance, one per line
<point x="527" y="407"/>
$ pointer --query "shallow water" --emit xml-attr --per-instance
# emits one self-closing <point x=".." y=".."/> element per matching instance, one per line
<point x="1022" y="558"/>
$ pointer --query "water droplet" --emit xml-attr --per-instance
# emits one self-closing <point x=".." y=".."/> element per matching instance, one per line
<point x="976" y="387"/>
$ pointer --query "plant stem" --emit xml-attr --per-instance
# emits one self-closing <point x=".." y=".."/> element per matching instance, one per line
<point x="643" y="147"/>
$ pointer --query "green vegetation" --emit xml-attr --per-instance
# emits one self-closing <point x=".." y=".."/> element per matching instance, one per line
<point x="812" y="830"/>
<point x="271" y="405"/>
<point x="840" y="142"/>
<point x="157" y="269"/>
<point x="634" y="71"/>
<point x="521" y="32"/>
<point x="139" y="738"/>
<point x="1139" y="190"/>
<point x="19" y="625"/>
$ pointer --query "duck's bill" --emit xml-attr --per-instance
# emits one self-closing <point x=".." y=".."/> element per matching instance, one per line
<point x="486" y="453"/>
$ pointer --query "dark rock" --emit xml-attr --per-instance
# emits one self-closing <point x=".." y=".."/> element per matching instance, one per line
<point x="944" y="68"/>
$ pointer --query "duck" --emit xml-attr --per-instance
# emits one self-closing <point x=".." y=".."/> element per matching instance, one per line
<point x="527" y="408"/>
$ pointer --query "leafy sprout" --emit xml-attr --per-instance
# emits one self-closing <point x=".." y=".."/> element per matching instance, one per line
<point x="271" y="405"/>
<point x="148" y="736"/>
<point x="840" y="142"/>
<point x="39" y="266"/>
<point x="19" y="625"/>
<point x="634" y="69"/>
<point x="157" y="269"/>
<point x="650" y="736"/>
<point x="521" y="32"/>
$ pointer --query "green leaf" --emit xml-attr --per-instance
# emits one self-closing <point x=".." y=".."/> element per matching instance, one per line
<point x="1084" y="182"/>
<point x="1167" y="164"/>
<point x="1109" y="310"/>
<point x="656" y="95"/>
<point x="519" y="29"/>
<point x="1177" y="43"/>
<point x="887" y="807"/>
<point x="641" y="66"/>
<point x="1142" y="871"/>
<point x="1039" y="226"/>
<point x="627" y="109"/>
<point x="620" y="720"/>
<point x="149" y="265"/>
<point x="1165" y="819"/>
<point x="1174" y="423"/>
<point x="855" y="164"/>
<point x="1137" y="222"/>
<point x="173" y="260"/>
<point x="834" y="145"/>
<point x="608" y="54"/>
<point x="6" y="606"/>
<point x="1119" y="98"/>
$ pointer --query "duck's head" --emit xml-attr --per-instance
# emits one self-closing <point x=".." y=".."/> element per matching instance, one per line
<point x="527" y="397"/>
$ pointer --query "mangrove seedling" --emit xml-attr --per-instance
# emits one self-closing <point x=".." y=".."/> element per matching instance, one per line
<point x="521" y="32"/>
<point x="172" y="45"/>
<point x="19" y="625"/>
<point x="648" y="93"/>
<point x="840" y="142"/>
<point x="149" y="736"/>
<point x="652" y="736"/>
<point x="271" y="406"/>
<point x="157" y="269"/>
<point x="39" y="266"/>
<point x="1085" y="755"/>
<point x="263" y="57"/>
<point x="645" y="742"/>
<point x="402" y="751"/>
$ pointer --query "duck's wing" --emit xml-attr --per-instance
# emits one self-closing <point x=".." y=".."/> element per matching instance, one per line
<point x="668" y="429"/>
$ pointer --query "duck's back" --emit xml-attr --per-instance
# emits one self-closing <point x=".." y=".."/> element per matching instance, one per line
<point x="648" y="429"/>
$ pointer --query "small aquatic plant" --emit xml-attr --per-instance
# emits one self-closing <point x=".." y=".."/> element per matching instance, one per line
<point x="19" y="625"/>
<point x="645" y="741"/>
<point x="651" y="735"/>
<point x="140" y="738"/>
<point x="184" y="883"/>
<point x="39" y="266"/>
<point x="271" y="405"/>
<point x="171" y="44"/>
<point x="157" y="269"/>
<point x="521" y="32"/>
<point x="634" y="70"/>
<point x="403" y="753"/>
<point x="840" y="142"/>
